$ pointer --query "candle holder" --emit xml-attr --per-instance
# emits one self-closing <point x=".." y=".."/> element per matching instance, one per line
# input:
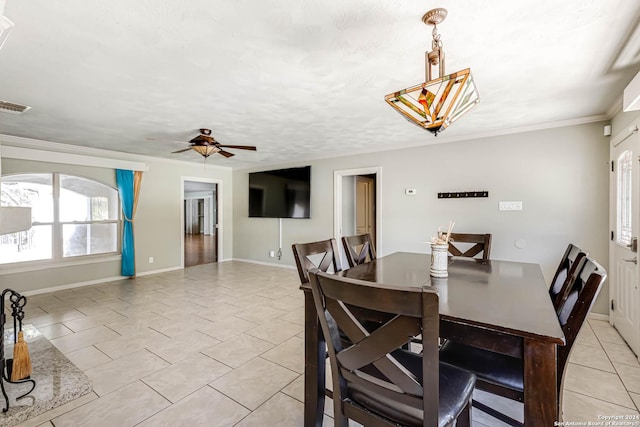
<point x="439" y="260"/>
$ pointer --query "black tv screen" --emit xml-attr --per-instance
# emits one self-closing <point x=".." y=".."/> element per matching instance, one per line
<point x="282" y="193"/>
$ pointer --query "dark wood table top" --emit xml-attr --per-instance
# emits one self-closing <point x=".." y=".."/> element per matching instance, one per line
<point x="507" y="296"/>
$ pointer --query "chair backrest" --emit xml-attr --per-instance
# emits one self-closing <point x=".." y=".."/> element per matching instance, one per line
<point x="359" y="249"/>
<point x="480" y="243"/>
<point x="323" y="255"/>
<point x="356" y="367"/>
<point x="567" y="267"/>
<point x="577" y="301"/>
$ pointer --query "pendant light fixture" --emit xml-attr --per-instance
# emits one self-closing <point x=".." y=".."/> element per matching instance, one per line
<point x="437" y="103"/>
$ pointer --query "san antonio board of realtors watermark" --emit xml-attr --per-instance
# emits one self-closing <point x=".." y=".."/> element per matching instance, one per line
<point x="605" y="421"/>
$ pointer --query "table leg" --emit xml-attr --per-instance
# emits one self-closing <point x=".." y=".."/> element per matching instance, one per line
<point x="314" y="365"/>
<point x="540" y="385"/>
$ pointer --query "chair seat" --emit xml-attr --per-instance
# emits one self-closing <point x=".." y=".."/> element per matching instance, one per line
<point x="456" y="387"/>
<point x="493" y="368"/>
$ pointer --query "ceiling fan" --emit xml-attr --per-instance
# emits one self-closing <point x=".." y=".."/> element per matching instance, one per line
<point x="206" y="145"/>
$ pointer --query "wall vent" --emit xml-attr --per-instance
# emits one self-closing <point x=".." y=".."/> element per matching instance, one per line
<point x="10" y="107"/>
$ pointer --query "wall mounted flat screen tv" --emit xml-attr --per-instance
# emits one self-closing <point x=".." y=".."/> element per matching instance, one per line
<point x="282" y="193"/>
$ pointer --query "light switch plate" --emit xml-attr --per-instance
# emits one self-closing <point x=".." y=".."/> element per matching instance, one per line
<point x="511" y="206"/>
<point x="410" y="191"/>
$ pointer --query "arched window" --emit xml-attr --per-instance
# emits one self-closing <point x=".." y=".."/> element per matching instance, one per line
<point x="72" y="217"/>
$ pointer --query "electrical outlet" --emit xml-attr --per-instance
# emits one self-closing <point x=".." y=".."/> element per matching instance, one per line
<point x="150" y="260"/>
<point x="272" y="254"/>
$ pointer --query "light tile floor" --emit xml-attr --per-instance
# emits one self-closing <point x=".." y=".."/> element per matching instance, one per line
<point x="222" y="345"/>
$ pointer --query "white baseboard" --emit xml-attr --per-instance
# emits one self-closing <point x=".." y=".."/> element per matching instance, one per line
<point x="71" y="286"/>
<point x="270" y="264"/>
<point x="145" y="273"/>
<point x="598" y="316"/>
<point x="162" y="270"/>
<point x="93" y="282"/>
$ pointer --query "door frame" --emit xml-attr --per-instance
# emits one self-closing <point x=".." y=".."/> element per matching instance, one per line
<point x="337" y="199"/>
<point x="218" y="199"/>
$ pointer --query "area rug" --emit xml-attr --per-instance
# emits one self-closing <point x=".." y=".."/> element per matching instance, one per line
<point x="58" y="381"/>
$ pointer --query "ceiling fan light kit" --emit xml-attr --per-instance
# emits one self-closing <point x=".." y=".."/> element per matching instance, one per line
<point x="438" y="102"/>
<point x="205" y="150"/>
<point x="206" y="145"/>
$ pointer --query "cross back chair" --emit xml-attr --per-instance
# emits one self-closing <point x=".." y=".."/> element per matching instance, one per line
<point x="375" y="382"/>
<point x="325" y="250"/>
<point x="306" y="255"/>
<point x="359" y="249"/>
<point x="481" y="243"/>
<point x="504" y="375"/>
<point x="566" y="269"/>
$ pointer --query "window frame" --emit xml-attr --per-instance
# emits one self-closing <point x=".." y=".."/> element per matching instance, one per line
<point x="624" y="197"/>
<point x="57" y="251"/>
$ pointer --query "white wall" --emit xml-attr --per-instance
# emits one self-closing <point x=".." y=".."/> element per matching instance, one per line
<point x="560" y="175"/>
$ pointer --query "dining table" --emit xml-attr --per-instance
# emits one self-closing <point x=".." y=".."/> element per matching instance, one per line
<point x="502" y="306"/>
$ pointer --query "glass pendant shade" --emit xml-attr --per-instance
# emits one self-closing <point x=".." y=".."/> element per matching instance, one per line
<point x="206" y="150"/>
<point x="436" y="104"/>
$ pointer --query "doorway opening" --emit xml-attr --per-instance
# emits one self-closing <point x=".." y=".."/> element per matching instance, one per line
<point x="357" y="204"/>
<point x="200" y="224"/>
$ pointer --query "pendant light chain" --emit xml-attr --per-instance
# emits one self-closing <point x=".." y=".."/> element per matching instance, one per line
<point x="436" y="42"/>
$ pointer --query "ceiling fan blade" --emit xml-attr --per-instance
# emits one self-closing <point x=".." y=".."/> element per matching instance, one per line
<point x="180" y="151"/>
<point x="226" y="153"/>
<point x="239" y="147"/>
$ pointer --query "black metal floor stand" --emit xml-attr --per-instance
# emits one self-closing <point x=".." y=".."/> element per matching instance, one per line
<point x="18" y="302"/>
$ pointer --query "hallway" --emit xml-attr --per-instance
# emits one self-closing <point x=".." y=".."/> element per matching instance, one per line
<point x="199" y="249"/>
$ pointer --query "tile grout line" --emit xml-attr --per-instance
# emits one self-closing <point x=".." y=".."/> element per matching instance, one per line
<point x="612" y="362"/>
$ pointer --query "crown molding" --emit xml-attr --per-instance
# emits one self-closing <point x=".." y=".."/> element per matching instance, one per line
<point x="615" y="108"/>
<point x="28" y="151"/>
<point x="442" y="140"/>
<point x="530" y="128"/>
<point x="65" y="154"/>
<point x="98" y="152"/>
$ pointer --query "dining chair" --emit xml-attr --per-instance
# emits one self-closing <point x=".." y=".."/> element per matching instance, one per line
<point x="359" y="249"/>
<point x="376" y="383"/>
<point x="479" y="242"/>
<point x="567" y="267"/>
<point x="503" y="375"/>
<point x="323" y="255"/>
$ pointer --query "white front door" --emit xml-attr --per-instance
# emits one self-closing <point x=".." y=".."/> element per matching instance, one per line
<point x="624" y="273"/>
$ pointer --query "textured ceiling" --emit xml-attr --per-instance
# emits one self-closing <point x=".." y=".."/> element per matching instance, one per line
<point x="302" y="79"/>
